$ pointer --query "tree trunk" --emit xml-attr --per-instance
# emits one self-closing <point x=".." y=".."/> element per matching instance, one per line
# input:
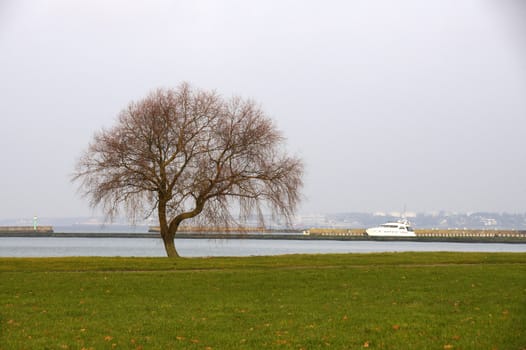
<point x="169" y="229"/>
<point x="169" y="245"/>
<point x="167" y="232"/>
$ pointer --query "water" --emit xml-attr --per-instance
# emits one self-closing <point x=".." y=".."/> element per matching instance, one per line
<point x="152" y="247"/>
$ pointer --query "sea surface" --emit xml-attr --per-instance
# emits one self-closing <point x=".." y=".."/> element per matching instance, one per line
<point x="153" y="247"/>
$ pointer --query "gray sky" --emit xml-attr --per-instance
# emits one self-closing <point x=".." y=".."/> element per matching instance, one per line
<point x="390" y="103"/>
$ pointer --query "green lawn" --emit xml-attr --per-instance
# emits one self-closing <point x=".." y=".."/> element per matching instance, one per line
<point x="354" y="301"/>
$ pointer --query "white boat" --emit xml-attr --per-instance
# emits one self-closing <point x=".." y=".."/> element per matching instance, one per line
<point x="392" y="229"/>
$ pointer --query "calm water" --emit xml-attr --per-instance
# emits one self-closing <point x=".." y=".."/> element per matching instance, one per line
<point x="146" y="247"/>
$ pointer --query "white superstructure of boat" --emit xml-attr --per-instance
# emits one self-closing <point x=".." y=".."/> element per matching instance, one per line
<point x="392" y="229"/>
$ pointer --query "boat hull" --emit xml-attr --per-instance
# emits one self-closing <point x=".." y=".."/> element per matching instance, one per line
<point x="379" y="233"/>
<point x="391" y="235"/>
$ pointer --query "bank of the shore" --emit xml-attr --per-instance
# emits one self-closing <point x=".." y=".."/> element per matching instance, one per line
<point x="311" y="234"/>
<point x="15" y="230"/>
<point x="280" y="236"/>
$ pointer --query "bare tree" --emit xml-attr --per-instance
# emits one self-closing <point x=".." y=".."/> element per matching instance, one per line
<point x="190" y="154"/>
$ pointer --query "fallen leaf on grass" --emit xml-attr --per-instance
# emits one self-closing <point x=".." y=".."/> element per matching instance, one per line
<point x="396" y="327"/>
<point x="108" y="338"/>
<point x="448" y="346"/>
<point x="366" y="344"/>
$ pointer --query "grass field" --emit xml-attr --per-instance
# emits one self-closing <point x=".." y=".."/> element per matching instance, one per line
<point x="374" y="301"/>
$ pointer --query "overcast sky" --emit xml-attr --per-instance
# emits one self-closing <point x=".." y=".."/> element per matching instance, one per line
<point x="389" y="103"/>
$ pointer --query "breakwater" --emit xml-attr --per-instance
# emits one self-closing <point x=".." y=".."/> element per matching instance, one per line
<point x="24" y="230"/>
<point x="470" y="233"/>
<point x="320" y="234"/>
<point x="436" y="233"/>
<point x="230" y="230"/>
